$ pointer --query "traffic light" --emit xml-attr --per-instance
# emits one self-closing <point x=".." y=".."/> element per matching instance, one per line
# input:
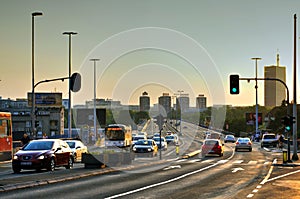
<point x="287" y="121"/>
<point x="75" y="82"/>
<point x="37" y="123"/>
<point x="234" y="81"/>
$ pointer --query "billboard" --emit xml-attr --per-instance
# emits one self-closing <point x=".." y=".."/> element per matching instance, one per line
<point x="251" y="118"/>
<point x="85" y="116"/>
<point x="45" y="99"/>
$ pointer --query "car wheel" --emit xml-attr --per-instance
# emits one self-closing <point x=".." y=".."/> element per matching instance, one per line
<point x="70" y="163"/>
<point x="16" y="169"/>
<point x="75" y="157"/>
<point x="250" y="150"/>
<point x="51" y="165"/>
<point x="235" y="149"/>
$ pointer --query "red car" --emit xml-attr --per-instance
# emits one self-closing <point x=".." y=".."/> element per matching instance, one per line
<point x="43" y="154"/>
<point x="212" y="146"/>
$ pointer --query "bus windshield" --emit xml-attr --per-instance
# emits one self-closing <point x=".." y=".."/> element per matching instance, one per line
<point x="112" y="134"/>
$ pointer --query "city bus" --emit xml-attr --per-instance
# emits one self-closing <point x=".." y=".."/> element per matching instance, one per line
<point x="6" y="143"/>
<point x="118" y="135"/>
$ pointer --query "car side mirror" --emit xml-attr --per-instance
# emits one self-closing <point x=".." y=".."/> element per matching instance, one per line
<point x="59" y="148"/>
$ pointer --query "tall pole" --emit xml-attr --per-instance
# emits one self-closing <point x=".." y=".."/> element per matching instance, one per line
<point x="32" y="69"/>
<point x="95" y="124"/>
<point x="70" y="64"/>
<point x="180" y="91"/>
<point x="256" y="95"/>
<point x="295" y="156"/>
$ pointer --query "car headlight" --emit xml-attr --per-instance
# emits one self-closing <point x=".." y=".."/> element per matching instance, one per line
<point x="41" y="157"/>
<point x="16" y="157"/>
<point x="134" y="149"/>
<point x="149" y="149"/>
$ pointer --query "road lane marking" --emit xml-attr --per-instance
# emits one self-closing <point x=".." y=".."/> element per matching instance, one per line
<point x="172" y="167"/>
<point x="252" y="162"/>
<point x="237" y="169"/>
<point x="238" y="162"/>
<point x="284" y="175"/>
<point x="165" y="182"/>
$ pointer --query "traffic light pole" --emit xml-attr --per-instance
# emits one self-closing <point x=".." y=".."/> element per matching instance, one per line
<point x="287" y="102"/>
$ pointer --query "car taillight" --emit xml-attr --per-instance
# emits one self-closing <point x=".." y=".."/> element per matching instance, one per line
<point x="237" y="143"/>
<point x="249" y="143"/>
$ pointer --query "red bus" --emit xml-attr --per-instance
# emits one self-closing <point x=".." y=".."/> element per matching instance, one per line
<point x="6" y="143"/>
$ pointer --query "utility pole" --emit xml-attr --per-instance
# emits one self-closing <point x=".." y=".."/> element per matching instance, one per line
<point x="256" y="95"/>
<point x="295" y="155"/>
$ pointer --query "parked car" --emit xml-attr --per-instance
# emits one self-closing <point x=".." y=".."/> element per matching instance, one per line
<point x="78" y="148"/>
<point x="162" y="140"/>
<point x="43" y="154"/>
<point x="269" y="140"/>
<point x="212" y="146"/>
<point x="243" y="143"/>
<point x="229" y="138"/>
<point x="172" y="139"/>
<point x="146" y="146"/>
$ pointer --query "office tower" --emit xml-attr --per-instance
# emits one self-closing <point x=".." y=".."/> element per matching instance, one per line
<point x="275" y="91"/>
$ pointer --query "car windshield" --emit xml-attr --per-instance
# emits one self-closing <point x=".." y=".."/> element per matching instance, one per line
<point x="46" y="145"/>
<point x="71" y="144"/>
<point x="243" y="139"/>
<point x="170" y="137"/>
<point x="157" y="139"/>
<point x="137" y="138"/>
<point x="143" y="142"/>
<point x="211" y="142"/>
<point x="269" y="137"/>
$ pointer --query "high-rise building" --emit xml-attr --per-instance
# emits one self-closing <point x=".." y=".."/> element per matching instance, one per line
<point x="200" y="101"/>
<point x="183" y="103"/>
<point x="275" y="91"/>
<point x="144" y="102"/>
<point x="165" y="102"/>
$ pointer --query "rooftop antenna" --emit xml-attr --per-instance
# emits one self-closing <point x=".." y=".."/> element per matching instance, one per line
<point x="277" y="57"/>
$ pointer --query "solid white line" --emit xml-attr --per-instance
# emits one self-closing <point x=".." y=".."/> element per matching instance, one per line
<point x="269" y="173"/>
<point x="284" y="175"/>
<point x="165" y="182"/>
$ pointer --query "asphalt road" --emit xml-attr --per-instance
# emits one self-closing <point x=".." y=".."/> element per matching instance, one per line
<point x="240" y="174"/>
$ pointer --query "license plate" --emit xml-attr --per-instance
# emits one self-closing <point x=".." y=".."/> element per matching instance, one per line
<point x="26" y="163"/>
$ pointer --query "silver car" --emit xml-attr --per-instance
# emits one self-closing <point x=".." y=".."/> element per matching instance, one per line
<point x="243" y="143"/>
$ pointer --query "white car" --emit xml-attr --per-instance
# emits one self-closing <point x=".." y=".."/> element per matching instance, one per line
<point x="164" y="144"/>
<point x="137" y="138"/>
<point x="78" y="148"/>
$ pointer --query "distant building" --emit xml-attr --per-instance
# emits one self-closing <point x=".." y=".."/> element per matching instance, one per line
<point x="275" y="91"/>
<point x="144" y="102"/>
<point x="165" y="102"/>
<point x="49" y="119"/>
<point x="201" y="102"/>
<point x="183" y="103"/>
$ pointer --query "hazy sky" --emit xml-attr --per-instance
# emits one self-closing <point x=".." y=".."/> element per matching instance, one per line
<point x="154" y="46"/>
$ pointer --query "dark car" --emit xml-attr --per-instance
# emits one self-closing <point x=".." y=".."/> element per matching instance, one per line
<point x="229" y="138"/>
<point x="212" y="146"/>
<point x="243" y="143"/>
<point x="43" y="154"/>
<point x="146" y="146"/>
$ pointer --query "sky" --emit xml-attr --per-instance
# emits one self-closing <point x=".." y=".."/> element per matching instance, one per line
<point x="160" y="46"/>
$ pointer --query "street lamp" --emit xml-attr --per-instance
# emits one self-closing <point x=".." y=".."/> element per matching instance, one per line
<point x="69" y="105"/>
<point x="95" y="125"/>
<point x="256" y="103"/>
<point x="180" y="91"/>
<point x="33" y="15"/>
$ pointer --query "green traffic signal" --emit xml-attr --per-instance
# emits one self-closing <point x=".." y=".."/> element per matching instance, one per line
<point x="234" y="84"/>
